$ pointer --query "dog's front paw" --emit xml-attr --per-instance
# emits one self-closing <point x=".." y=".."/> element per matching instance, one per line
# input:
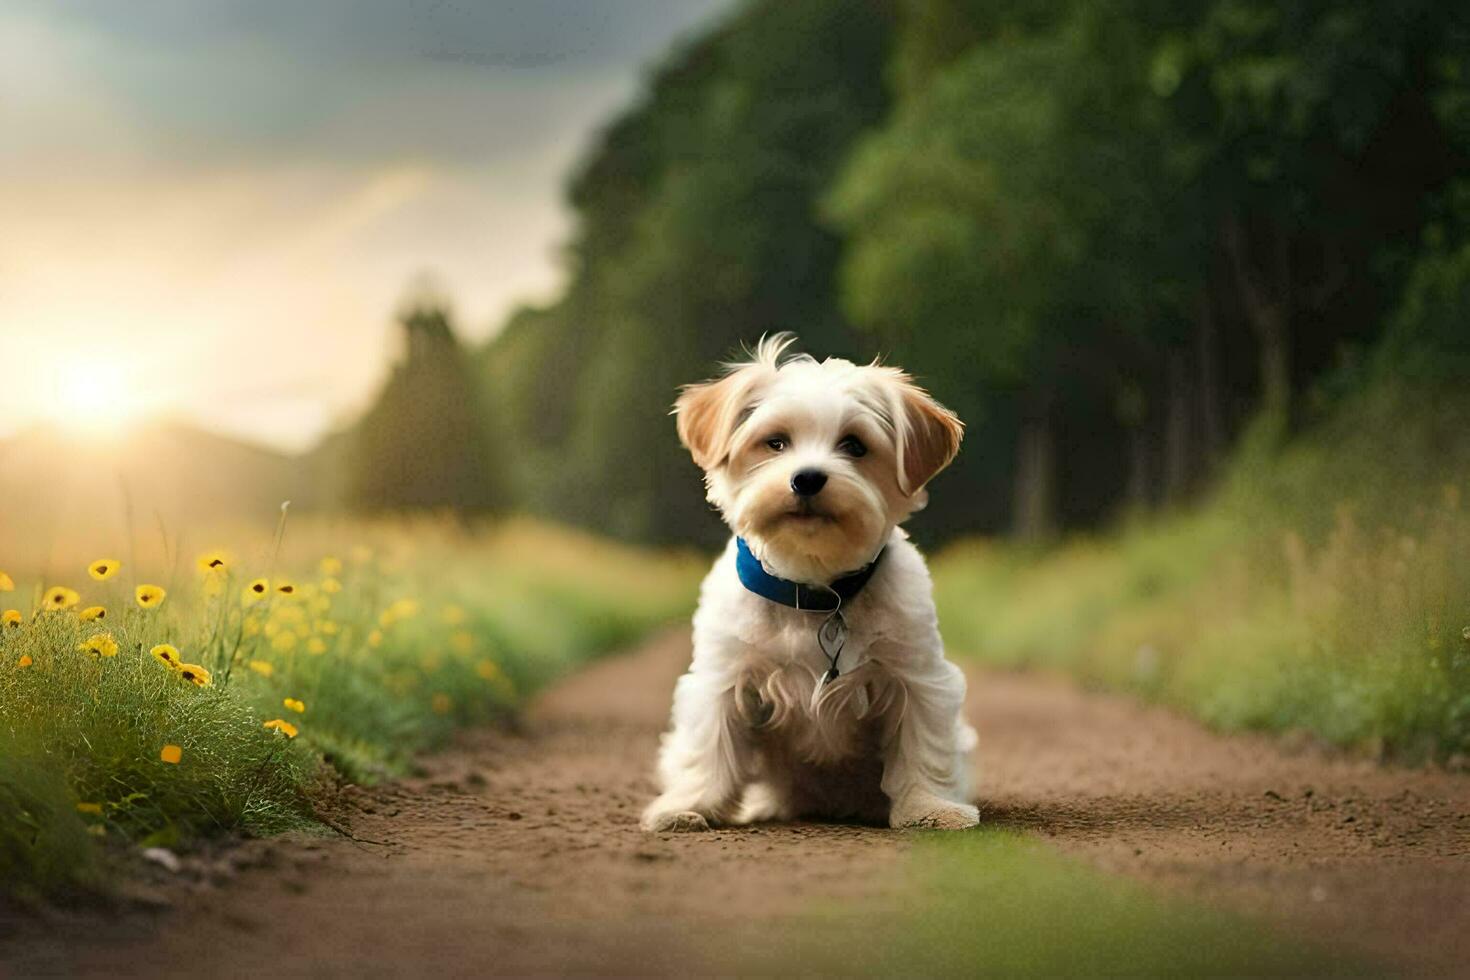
<point x="952" y="816"/>
<point x="929" y="812"/>
<point x="675" y="821"/>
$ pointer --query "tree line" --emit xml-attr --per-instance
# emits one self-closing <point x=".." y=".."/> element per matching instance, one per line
<point x="1115" y="236"/>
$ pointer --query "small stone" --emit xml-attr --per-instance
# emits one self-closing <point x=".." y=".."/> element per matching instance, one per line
<point x="163" y="857"/>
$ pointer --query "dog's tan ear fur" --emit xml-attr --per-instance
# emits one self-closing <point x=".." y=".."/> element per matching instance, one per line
<point x="708" y="413"/>
<point x="928" y="436"/>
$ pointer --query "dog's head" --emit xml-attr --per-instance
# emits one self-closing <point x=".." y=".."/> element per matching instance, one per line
<point x="813" y="463"/>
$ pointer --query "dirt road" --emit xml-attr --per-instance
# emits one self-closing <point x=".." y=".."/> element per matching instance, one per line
<point x="521" y="854"/>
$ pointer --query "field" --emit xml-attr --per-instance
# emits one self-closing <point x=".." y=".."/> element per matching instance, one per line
<point x="154" y="697"/>
<point x="1324" y="591"/>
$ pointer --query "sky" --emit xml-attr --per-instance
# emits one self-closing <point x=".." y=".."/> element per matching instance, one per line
<point x="211" y="209"/>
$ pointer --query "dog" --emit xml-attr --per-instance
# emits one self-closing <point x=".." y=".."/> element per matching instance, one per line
<point x="818" y="687"/>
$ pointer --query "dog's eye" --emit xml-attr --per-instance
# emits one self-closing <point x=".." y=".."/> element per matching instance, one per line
<point x="852" y="446"/>
<point x="776" y="443"/>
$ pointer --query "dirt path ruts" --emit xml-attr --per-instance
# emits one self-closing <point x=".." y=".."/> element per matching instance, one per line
<point x="521" y="854"/>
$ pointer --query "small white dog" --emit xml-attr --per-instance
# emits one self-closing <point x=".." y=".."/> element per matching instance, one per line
<point x="819" y="686"/>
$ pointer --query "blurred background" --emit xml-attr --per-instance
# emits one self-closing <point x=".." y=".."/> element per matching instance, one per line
<point x="1197" y="275"/>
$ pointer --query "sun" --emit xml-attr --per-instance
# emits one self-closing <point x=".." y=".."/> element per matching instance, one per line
<point x="93" y="397"/>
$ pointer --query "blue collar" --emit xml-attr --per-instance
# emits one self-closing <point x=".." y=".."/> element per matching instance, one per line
<point x="815" y="598"/>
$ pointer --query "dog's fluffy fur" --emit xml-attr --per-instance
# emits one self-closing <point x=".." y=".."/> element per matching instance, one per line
<point x="753" y="737"/>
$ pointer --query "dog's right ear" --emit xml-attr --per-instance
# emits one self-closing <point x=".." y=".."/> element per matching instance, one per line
<point x="708" y="413"/>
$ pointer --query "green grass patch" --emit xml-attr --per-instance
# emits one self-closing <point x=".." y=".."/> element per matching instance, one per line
<point x="363" y="645"/>
<point x="992" y="903"/>
<point x="1324" y="588"/>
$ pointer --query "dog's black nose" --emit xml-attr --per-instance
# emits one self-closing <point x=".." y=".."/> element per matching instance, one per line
<point x="808" y="483"/>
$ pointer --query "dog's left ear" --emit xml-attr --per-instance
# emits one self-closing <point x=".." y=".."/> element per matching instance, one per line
<point x="709" y="412"/>
<point x="928" y="436"/>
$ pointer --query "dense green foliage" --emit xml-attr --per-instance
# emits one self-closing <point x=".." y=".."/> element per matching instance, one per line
<point x="1110" y="235"/>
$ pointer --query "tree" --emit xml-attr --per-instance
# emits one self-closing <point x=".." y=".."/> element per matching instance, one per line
<point x="1313" y="127"/>
<point x="696" y="233"/>
<point x="425" y="443"/>
<point x="1003" y="236"/>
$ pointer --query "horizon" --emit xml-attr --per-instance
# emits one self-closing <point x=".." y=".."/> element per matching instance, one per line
<point x="214" y="217"/>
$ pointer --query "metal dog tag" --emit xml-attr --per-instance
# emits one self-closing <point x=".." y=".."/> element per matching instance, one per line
<point x="831" y="637"/>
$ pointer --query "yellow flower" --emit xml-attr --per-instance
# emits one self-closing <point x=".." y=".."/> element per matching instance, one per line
<point x="101" y="645"/>
<point x="316" y="645"/>
<point x="283" y="726"/>
<point x="171" y="754"/>
<point x="453" y="615"/>
<point x="462" y="642"/>
<point x="11" y="617"/>
<point x="92" y="613"/>
<point x="297" y="706"/>
<point x="487" y="669"/>
<point x="262" y="667"/>
<point x="213" y="563"/>
<point x="6" y="583"/>
<point x="284" y="642"/>
<point x="195" y="674"/>
<point x="103" y="568"/>
<point x="375" y="639"/>
<point x="441" y="704"/>
<point x="92" y="808"/>
<point x="287" y="589"/>
<point x="252" y="627"/>
<point x="149" y="596"/>
<point x="256" y="591"/>
<point x="328" y="627"/>
<point x="331" y="567"/>
<point x="331" y="586"/>
<point x="168" y="655"/>
<point x="401" y="609"/>
<point x="24" y="661"/>
<point x="60" y="597"/>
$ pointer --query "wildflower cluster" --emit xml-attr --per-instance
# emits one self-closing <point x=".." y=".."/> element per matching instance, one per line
<point x="194" y="697"/>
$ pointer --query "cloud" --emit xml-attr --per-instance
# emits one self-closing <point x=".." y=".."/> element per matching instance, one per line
<point x="210" y="81"/>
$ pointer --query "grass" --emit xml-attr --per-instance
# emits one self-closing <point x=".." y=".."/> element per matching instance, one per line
<point x="992" y="903"/>
<point x="370" y="643"/>
<point x="1324" y="588"/>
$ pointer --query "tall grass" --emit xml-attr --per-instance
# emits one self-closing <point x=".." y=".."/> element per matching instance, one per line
<point x="365" y="645"/>
<point x="1326" y="589"/>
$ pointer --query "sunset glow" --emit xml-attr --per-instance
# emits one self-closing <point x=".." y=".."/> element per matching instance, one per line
<point x="94" y="397"/>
